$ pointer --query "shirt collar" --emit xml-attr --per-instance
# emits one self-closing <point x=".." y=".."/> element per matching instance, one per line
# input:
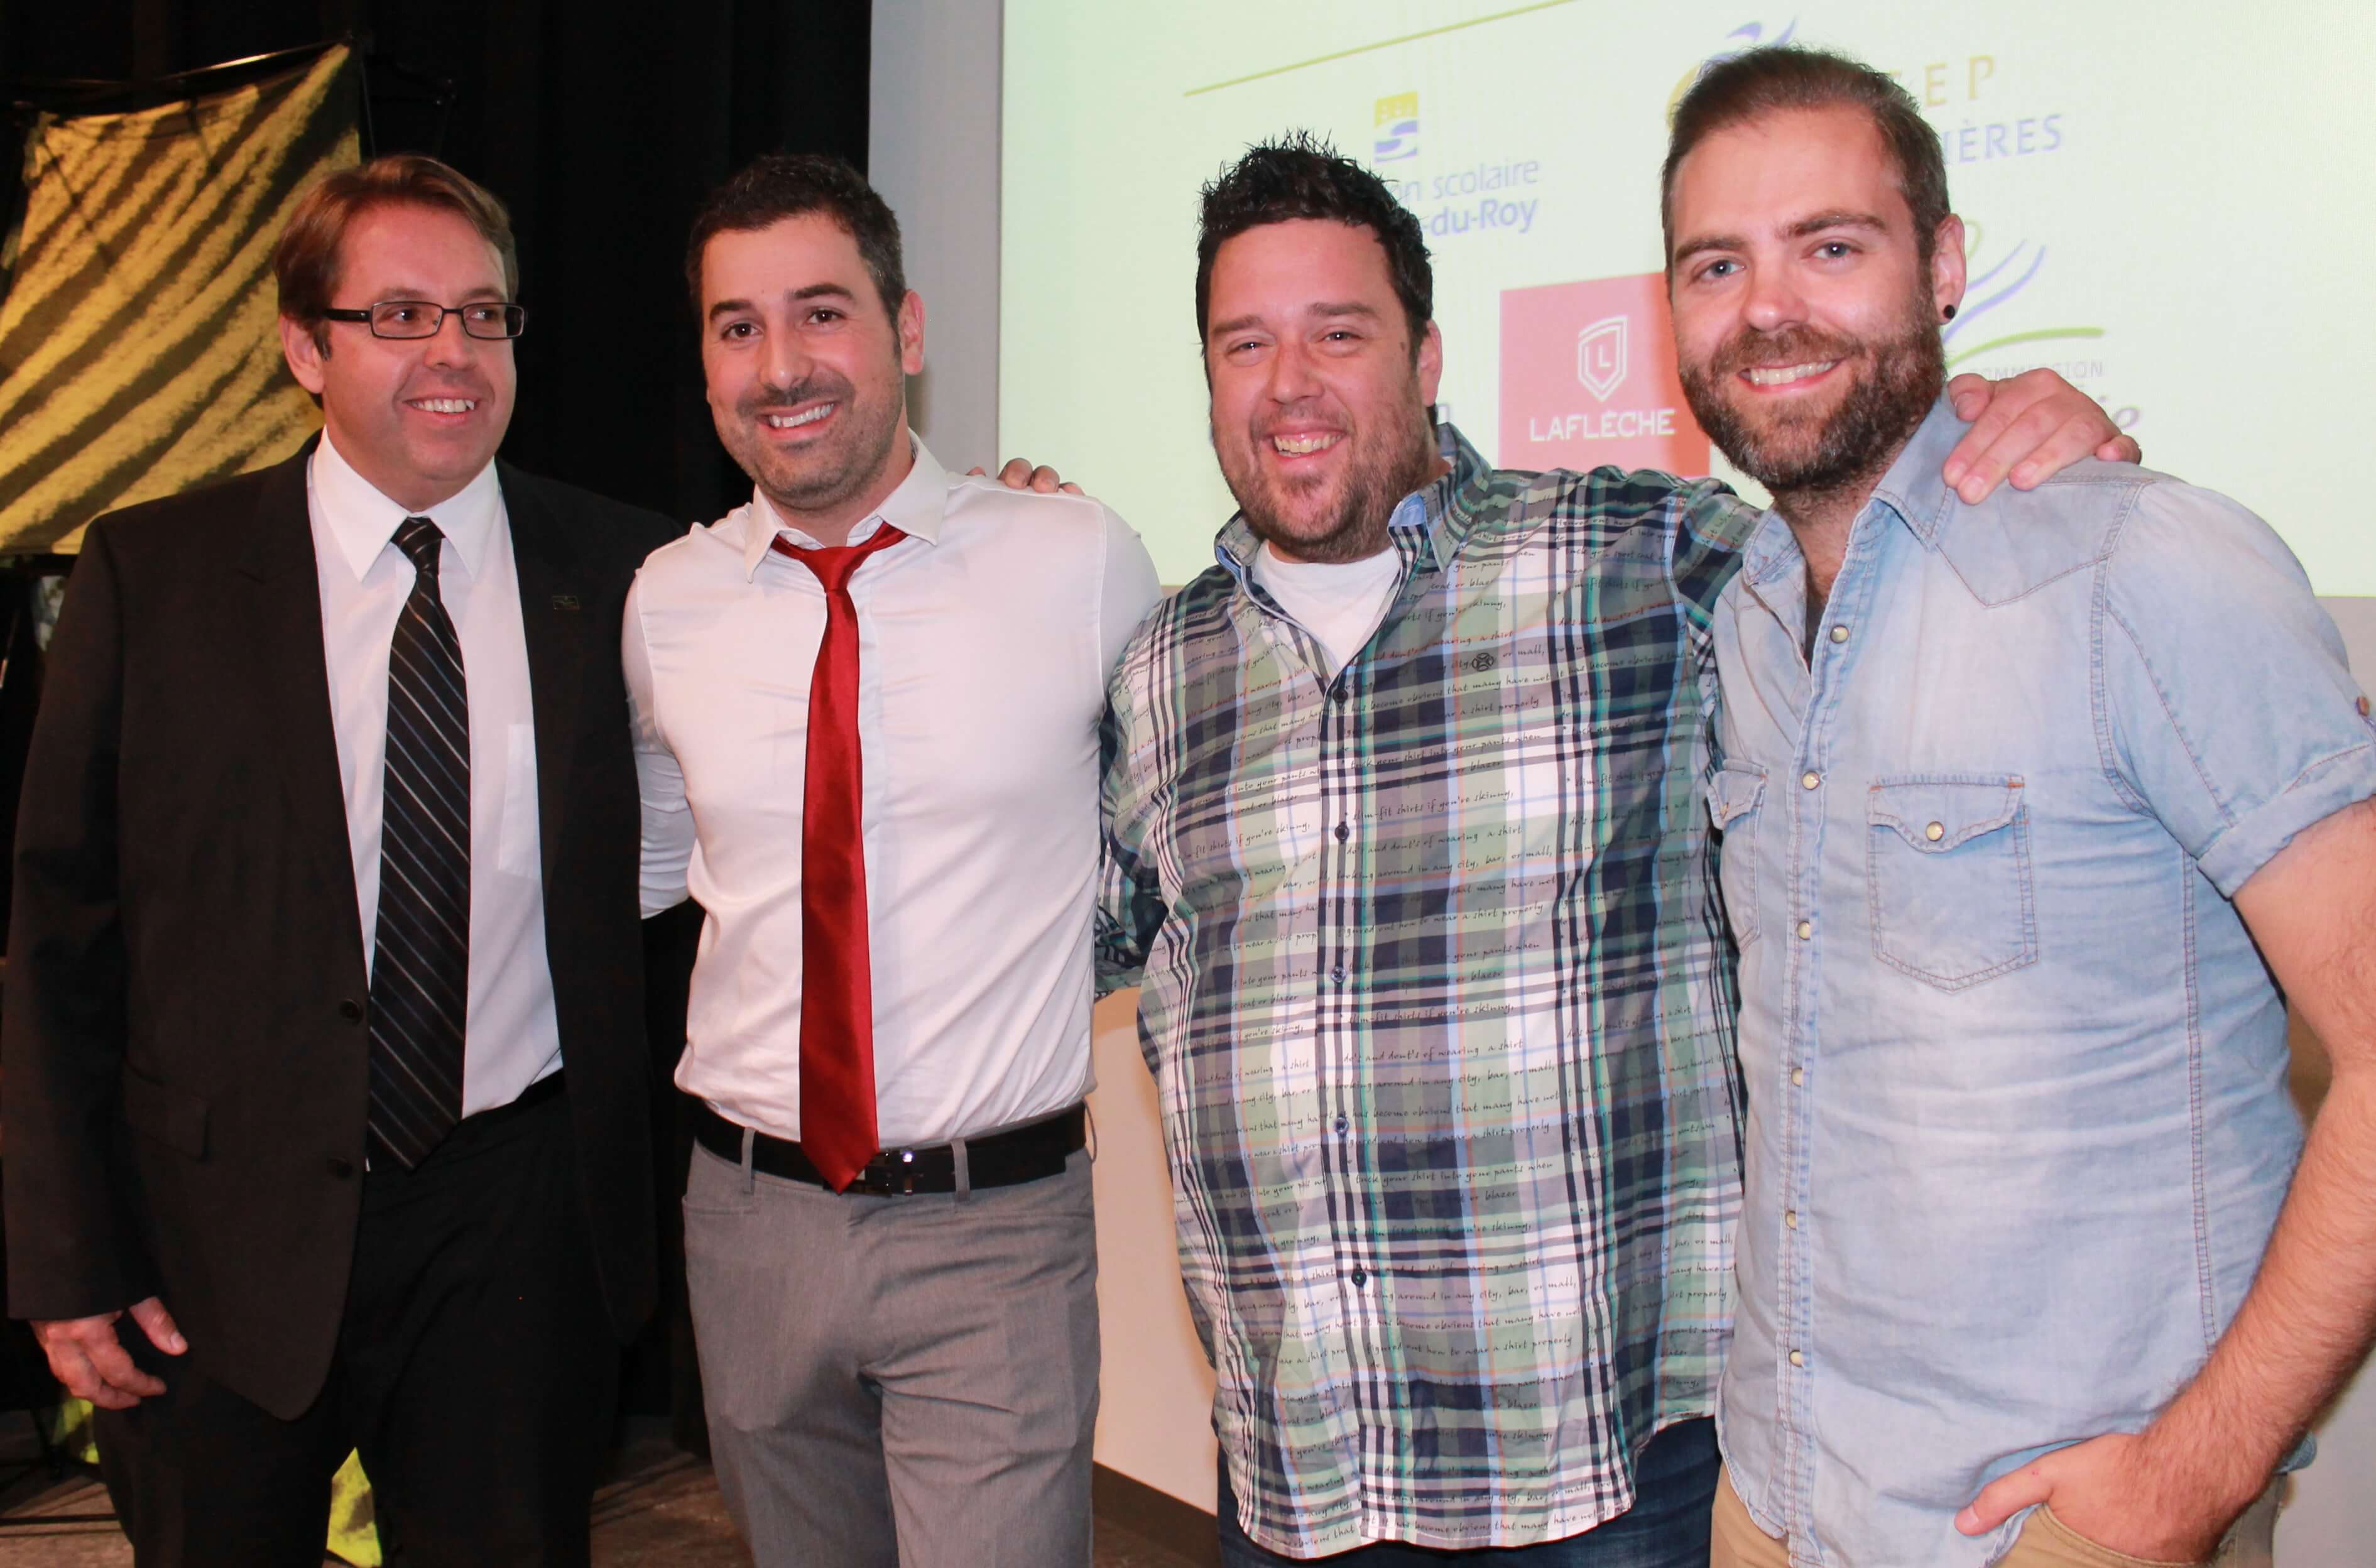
<point x="363" y="521"/>
<point x="915" y="509"/>
<point x="1914" y="491"/>
<point x="1430" y="521"/>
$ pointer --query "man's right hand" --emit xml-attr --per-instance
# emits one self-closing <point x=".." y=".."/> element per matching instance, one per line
<point x="91" y="1363"/>
<point x="1019" y="474"/>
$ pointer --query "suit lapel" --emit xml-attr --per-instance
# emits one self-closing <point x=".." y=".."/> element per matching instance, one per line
<point x="556" y="620"/>
<point x="283" y="633"/>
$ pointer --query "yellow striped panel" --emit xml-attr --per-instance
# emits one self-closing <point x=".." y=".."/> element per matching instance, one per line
<point x="138" y="355"/>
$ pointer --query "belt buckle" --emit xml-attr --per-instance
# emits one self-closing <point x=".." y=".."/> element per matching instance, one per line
<point x="880" y="1178"/>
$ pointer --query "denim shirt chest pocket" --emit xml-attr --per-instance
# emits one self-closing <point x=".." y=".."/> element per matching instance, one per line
<point x="1948" y="872"/>
<point x="1734" y="794"/>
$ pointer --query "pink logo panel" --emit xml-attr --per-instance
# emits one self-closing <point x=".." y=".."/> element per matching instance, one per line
<point x="1588" y="377"/>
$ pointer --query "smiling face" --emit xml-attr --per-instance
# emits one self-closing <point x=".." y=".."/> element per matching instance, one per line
<point x="418" y="417"/>
<point x="1806" y="315"/>
<point x="807" y="370"/>
<point x="1319" y="406"/>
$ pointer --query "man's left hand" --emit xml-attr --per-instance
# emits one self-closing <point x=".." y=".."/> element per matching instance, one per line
<point x="2125" y="1493"/>
<point x="2030" y="427"/>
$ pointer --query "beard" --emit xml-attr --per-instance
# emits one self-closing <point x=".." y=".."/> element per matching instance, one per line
<point x="1299" y="519"/>
<point x="827" y="473"/>
<point x="1809" y="451"/>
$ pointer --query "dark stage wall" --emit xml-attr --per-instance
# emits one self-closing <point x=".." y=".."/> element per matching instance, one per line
<point x="601" y="128"/>
<point x="601" y="137"/>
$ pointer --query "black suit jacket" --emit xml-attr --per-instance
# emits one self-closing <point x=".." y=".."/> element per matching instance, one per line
<point x="183" y="1029"/>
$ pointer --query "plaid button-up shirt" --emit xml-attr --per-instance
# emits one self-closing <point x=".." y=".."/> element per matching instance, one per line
<point x="1439" y="1007"/>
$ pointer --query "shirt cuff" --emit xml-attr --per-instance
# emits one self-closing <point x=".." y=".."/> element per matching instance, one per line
<point x="2254" y="839"/>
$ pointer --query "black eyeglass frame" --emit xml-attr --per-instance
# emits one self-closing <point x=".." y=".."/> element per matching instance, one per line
<point x="515" y="318"/>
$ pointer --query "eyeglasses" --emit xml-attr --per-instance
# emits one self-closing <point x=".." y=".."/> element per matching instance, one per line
<point x="422" y="318"/>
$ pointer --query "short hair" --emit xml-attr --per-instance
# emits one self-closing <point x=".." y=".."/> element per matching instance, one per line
<point x="306" y="257"/>
<point x="1781" y="78"/>
<point x="1301" y="175"/>
<point x="793" y="184"/>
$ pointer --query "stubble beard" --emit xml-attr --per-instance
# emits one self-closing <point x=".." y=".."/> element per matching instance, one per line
<point x="829" y="474"/>
<point x="1354" y="527"/>
<point x="1805" y="456"/>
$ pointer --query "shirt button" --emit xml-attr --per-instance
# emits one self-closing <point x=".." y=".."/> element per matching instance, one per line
<point x="1341" y="695"/>
<point x="1337" y="974"/>
<point x="1360" y="1278"/>
<point x="1791" y="1219"/>
<point x="1341" y="1126"/>
<point x="1798" y="1077"/>
<point x="1806" y="931"/>
<point x="1343" y="833"/>
<point x="1798" y="1357"/>
<point x="1839" y="634"/>
<point x="2363" y="707"/>
<point x="1935" y="832"/>
<point x="1811" y="779"/>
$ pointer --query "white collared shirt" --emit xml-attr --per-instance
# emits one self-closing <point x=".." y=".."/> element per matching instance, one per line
<point x="512" y="1038"/>
<point x="984" y="641"/>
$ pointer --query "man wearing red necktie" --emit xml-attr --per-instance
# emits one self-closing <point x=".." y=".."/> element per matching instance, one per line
<point x="866" y="711"/>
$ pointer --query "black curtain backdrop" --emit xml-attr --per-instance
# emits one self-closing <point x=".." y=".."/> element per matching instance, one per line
<point x="602" y="139"/>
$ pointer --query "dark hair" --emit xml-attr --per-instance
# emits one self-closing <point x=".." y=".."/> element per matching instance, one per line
<point x="1772" y="80"/>
<point x="305" y="257"/>
<point x="1300" y="176"/>
<point x="792" y="185"/>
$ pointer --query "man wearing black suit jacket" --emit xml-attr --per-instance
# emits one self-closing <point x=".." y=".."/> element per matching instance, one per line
<point x="323" y="1044"/>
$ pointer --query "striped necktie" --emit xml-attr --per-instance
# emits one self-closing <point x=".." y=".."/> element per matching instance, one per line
<point x="421" y="960"/>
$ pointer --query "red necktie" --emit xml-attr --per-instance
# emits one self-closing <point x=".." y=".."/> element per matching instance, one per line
<point x="837" y="983"/>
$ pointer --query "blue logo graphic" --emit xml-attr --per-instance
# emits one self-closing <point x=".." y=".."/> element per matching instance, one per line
<point x="2001" y="285"/>
<point x="1739" y="41"/>
<point x="1396" y="127"/>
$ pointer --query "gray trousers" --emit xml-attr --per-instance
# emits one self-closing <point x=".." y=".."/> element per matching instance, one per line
<point x="898" y="1381"/>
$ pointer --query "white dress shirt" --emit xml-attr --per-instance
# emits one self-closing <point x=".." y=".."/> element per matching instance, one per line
<point x="984" y="640"/>
<point x="511" y="1036"/>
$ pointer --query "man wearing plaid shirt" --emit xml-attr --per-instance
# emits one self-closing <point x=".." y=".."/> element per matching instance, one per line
<point x="1405" y="842"/>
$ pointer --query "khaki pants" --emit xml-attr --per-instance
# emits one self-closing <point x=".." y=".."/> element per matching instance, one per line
<point x="1735" y="1542"/>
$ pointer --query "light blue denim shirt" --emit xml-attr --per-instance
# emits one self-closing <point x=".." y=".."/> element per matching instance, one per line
<point x="2018" y="1125"/>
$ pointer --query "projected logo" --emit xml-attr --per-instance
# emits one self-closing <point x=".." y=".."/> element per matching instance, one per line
<point x="1396" y="128"/>
<point x="1600" y="357"/>
<point x="1739" y="41"/>
<point x="2013" y="340"/>
<point x="1588" y="377"/>
<point x="1983" y="111"/>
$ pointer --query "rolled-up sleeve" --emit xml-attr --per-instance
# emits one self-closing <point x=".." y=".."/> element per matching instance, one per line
<point x="2225" y="699"/>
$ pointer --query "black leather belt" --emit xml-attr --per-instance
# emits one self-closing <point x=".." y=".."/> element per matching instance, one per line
<point x="1030" y="1153"/>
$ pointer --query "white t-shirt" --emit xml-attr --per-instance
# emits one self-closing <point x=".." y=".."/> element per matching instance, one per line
<point x="1339" y="602"/>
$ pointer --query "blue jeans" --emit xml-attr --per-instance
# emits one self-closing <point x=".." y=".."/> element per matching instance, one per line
<point x="1674" y="1493"/>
